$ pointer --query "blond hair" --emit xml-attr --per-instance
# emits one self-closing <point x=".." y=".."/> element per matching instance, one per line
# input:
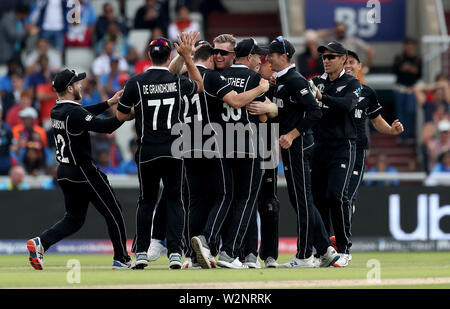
<point x="225" y="38"/>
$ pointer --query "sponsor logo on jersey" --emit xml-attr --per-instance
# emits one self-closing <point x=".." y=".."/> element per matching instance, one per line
<point x="304" y="91"/>
<point x="88" y="117"/>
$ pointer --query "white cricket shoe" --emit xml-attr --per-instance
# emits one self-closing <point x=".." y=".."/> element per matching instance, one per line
<point x="342" y="261"/>
<point x="188" y="264"/>
<point x="270" y="262"/>
<point x="301" y="263"/>
<point x="251" y="261"/>
<point x="329" y="258"/>
<point x="226" y="261"/>
<point x="155" y="250"/>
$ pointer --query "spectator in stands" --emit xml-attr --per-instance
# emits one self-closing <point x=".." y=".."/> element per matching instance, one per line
<point x="109" y="83"/>
<point x="183" y="23"/>
<point x="101" y="28"/>
<point x="33" y="159"/>
<point x="114" y="34"/>
<point x="443" y="164"/>
<point x="14" y="66"/>
<point x="132" y="58"/>
<point x="28" y="131"/>
<point x="91" y="95"/>
<point x="46" y="97"/>
<point x="104" y="163"/>
<point x="15" y="182"/>
<point x="430" y="96"/>
<point x="40" y="77"/>
<point x="81" y="33"/>
<point x="12" y="97"/>
<point x="129" y="167"/>
<point x="382" y="166"/>
<point x="408" y="69"/>
<point x="309" y="62"/>
<point x="429" y="132"/>
<point x="102" y="64"/>
<point x="148" y="15"/>
<point x="25" y="101"/>
<point x="440" y="144"/>
<point x="13" y="31"/>
<point x="50" y="17"/>
<point x="54" y="57"/>
<point x="106" y="142"/>
<point x="5" y="145"/>
<point x="339" y="34"/>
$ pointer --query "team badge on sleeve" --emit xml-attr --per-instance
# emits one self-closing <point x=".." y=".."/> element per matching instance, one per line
<point x="304" y="91"/>
<point x="88" y="118"/>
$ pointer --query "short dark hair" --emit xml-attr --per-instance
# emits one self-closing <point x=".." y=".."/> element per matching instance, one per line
<point x="203" y="53"/>
<point x="160" y="54"/>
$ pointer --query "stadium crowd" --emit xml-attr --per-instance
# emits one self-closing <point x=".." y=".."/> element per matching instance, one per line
<point x="35" y="33"/>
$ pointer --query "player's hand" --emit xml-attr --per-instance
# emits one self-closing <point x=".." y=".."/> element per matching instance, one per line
<point x="264" y="84"/>
<point x="315" y="91"/>
<point x="273" y="80"/>
<point x="396" y="127"/>
<point x="286" y="141"/>
<point x="258" y="108"/>
<point x="112" y="101"/>
<point x="186" y="43"/>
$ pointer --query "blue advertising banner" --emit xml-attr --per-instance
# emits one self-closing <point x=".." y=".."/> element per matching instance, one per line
<point x="370" y="20"/>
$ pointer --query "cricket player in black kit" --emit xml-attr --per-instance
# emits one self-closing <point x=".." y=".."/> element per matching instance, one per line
<point x="367" y="107"/>
<point x="209" y="199"/>
<point x="156" y="96"/>
<point x="242" y="164"/>
<point x="334" y="152"/>
<point x="80" y="180"/>
<point x="298" y="111"/>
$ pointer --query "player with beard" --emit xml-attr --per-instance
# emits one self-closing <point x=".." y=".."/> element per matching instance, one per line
<point x="78" y="177"/>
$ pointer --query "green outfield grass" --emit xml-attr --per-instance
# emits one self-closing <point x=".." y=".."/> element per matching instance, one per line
<point x="397" y="270"/>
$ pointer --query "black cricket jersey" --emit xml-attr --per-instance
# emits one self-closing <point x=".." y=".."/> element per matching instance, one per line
<point x="297" y="107"/>
<point x="367" y="106"/>
<point x="203" y="109"/>
<point x="339" y="98"/>
<point x="242" y="79"/>
<point x="156" y="96"/>
<point x="71" y="124"/>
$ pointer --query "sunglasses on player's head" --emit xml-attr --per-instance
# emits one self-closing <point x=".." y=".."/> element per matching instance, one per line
<point x="75" y="74"/>
<point x="331" y="56"/>
<point x="222" y="52"/>
<point x="281" y="40"/>
<point x="159" y="43"/>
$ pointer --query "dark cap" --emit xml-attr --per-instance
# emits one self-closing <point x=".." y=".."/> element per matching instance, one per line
<point x="201" y="42"/>
<point x="282" y="46"/>
<point x="160" y="44"/>
<point x="249" y="47"/>
<point x="65" y="78"/>
<point x="353" y="54"/>
<point x="334" y="47"/>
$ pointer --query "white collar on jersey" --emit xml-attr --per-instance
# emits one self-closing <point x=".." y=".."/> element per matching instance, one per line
<point x="157" y="67"/>
<point x="67" y="101"/>
<point x="239" y="66"/>
<point x="325" y="75"/>
<point x="201" y="65"/>
<point x="284" y="71"/>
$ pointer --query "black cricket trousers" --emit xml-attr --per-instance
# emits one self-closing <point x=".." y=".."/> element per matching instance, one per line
<point x="356" y="177"/>
<point x="311" y="231"/>
<point x="269" y="212"/>
<point x="155" y="164"/>
<point x="332" y="166"/>
<point x="81" y="185"/>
